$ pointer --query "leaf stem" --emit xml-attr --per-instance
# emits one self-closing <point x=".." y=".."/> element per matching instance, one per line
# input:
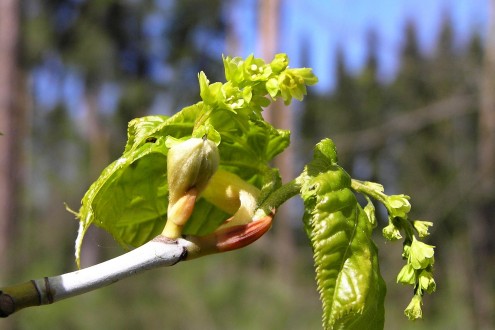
<point x="362" y="188"/>
<point x="408" y="228"/>
<point x="278" y="197"/>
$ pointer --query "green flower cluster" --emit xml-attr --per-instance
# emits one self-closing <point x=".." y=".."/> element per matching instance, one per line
<point x="418" y="272"/>
<point x="251" y="80"/>
<point x="419" y="256"/>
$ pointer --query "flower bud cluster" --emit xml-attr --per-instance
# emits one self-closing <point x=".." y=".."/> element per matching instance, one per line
<point x="419" y="256"/>
<point x="249" y="81"/>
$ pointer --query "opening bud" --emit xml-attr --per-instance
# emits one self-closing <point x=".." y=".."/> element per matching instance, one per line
<point x="190" y="165"/>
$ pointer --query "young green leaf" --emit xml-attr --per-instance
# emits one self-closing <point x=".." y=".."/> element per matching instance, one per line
<point x="351" y="288"/>
<point x="130" y="198"/>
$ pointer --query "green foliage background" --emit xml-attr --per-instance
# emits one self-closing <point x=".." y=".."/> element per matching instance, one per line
<point x="244" y="289"/>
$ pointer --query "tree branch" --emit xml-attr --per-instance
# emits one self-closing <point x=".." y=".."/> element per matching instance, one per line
<point x="159" y="252"/>
<point x="406" y="123"/>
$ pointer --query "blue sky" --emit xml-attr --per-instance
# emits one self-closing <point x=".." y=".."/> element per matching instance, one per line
<point x="320" y="25"/>
<point x="328" y="24"/>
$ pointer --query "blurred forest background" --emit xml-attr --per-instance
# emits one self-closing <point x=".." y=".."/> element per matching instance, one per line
<point x="74" y="72"/>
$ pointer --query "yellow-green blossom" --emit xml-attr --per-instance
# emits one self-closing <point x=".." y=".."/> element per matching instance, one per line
<point x="413" y="310"/>
<point x="426" y="281"/>
<point x="421" y="255"/>
<point x="255" y="69"/>
<point x="399" y="205"/>
<point x="407" y="275"/>
<point x="422" y="227"/>
<point x="279" y="63"/>
<point x="292" y="83"/>
<point x="391" y="232"/>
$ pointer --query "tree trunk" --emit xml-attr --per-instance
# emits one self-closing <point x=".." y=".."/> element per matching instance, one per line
<point x="98" y="143"/>
<point x="268" y="16"/>
<point x="486" y="150"/>
<point x="482" y="225"/>
<point x="10" y="141"/>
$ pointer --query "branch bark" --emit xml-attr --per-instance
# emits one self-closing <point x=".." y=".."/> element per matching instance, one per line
<point x="404" y="124"/>
<point x="159" y="252"/>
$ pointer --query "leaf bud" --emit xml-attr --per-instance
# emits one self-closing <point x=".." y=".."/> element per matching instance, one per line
<point x="190" y="165"/>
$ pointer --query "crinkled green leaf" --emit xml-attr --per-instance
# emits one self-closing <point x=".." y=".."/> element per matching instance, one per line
<point x="247" y="154"/>
<point x="130" y="198"/>
<point x="139" y="130"/>
<point x="351" y="288"/>
<point x="126" y="199"/>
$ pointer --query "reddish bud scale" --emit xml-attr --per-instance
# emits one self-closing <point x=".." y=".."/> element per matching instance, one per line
<point x="230" y="238"/>
<point x="240" y="236"/>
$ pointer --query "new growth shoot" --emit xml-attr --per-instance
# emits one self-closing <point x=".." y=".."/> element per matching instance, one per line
<point x="201" y="182"/>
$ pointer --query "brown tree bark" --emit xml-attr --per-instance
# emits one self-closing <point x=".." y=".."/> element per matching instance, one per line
<point x="98" y="143"/>
<point x="268" y="16"/>
<point x="481" y="227"/>
<point x="9" y="123"/>
<point x="486" y="150"/>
